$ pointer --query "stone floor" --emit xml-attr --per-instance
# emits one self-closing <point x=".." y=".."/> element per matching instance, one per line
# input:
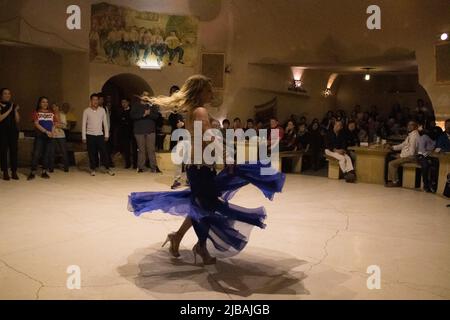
<point x="322" y="236"/>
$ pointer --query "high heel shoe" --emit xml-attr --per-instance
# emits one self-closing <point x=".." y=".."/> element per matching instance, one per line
<point x="174" y="244"/>
<point x="204" y="254"/>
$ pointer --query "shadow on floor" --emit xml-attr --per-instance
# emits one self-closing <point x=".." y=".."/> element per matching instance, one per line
<point x="259" y="272"/>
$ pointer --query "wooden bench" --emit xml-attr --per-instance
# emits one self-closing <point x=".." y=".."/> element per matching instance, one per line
<point x="334" y="171"/>
<point x="297" y="158"/>
<point x="410" y="175"/>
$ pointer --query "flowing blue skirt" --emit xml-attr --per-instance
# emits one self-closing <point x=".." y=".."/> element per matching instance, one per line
<point x="224" y="226"/>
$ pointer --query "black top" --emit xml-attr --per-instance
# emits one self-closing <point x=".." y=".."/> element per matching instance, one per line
<point x="351" y="138"/>
<point x="125" y="124"/>
<point x="9" y="123"/>
<point x="303" y="140"/>
<point x="334" y="141"/>
<point x="173" y="120"/>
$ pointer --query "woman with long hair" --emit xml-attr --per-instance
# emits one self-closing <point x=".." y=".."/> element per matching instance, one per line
<point x="9" y="134"/>
<point x="205" y="205"/>
<point x="44" y="120"/>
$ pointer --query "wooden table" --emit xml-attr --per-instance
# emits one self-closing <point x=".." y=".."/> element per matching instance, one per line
<point x="444" y="166"/>
<point x="370" y="163"/>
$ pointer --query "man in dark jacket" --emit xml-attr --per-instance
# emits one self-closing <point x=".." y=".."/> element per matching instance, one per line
<point x="126" y="139"/>
<point x="144" y="115"/>
<point x="336" y="147"/>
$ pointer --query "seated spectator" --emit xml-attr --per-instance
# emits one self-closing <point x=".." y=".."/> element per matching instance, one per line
<point x="274" y="124"/>
<point x="351" y="134"/>
<point x="425" y="146"/>
<point x="302" y="141"/>
<point x="250" y="124"/>
<point x="316" y="143"/>
<point x="408" y="150"/>
<point x="215" y="124"/>
<point x="290" y="134"/>
<point x="237" y="124"/>
<point x="363" y="135"/>
<point x="225" y="126"/>
<point x="336" y="148"/>
<point x="327" y="121"/>
<point x="259" y="126"/>
<point x="443" y="140"/>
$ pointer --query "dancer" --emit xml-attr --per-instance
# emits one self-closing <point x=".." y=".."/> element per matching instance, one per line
<point x="219" y="225"/>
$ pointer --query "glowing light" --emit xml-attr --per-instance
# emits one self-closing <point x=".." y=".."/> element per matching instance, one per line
<point x="444" y="36"/>
<point x="367" y="77"/>
<point x="331" y="80"/>
<point x="149" y="65"/>
<point x="327" y="92"/>
<point x="297" y="73"/>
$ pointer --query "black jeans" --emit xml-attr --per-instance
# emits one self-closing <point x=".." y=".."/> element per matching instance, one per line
<point x="43" y="147"/>
<point x="61" y="147"/>
<point x="96" y="145"/>
<point x="128" y="149"/>
<point x="430" y="171"/>
<point x="9" y="144"/>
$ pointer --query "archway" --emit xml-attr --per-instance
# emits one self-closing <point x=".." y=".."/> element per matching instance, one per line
<point x="125" y="85"/>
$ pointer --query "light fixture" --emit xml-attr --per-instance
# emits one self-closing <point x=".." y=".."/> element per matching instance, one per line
<point x="444" y="36"/>
<point x="367" y="76"/>
<point x="152" y="65"/>
<point x="297" y="86"/>
<point x="327" y="92"/>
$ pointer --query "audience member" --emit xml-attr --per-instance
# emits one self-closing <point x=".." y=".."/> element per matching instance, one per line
<point x="336" y="148"/>
<point x="9" y="134"/>
<point x="44" y="121"/>
<point x="59" y="138"/>
<point x="408" y="150"/>
<point x="95" y="132"/>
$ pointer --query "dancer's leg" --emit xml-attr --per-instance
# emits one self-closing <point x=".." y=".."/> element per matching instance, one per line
<point x="185" y="226"/>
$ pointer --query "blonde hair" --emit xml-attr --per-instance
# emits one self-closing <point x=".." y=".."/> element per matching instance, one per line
<point x="185" y="100"/>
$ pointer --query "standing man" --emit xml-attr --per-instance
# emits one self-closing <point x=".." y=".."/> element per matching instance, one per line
<point x="127" y="142"/>
<point x="174" y="117"/>
<point x="94" y="120"/>
<point x="144" y="115"/>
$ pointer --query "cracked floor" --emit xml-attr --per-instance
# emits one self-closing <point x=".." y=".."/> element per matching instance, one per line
<point x="321" y="237"/>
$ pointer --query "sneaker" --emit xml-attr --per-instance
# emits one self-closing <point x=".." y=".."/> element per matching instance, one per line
<point x="14" y="176"/>
<point x="175" y="185"/>
<point x="140" y="171"/>
<point x="6" y="176"/>
<point x="31" y="176"/>
<point x="92" y="173"/>
<point x="110" y="172"/>
<point x="45" y="175"/>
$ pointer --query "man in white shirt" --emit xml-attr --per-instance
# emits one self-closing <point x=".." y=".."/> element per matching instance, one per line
<point x="94" y="121"/>
<point x="408" y="150"/>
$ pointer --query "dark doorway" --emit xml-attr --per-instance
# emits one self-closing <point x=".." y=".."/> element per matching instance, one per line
<point x="125" y="85"/>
